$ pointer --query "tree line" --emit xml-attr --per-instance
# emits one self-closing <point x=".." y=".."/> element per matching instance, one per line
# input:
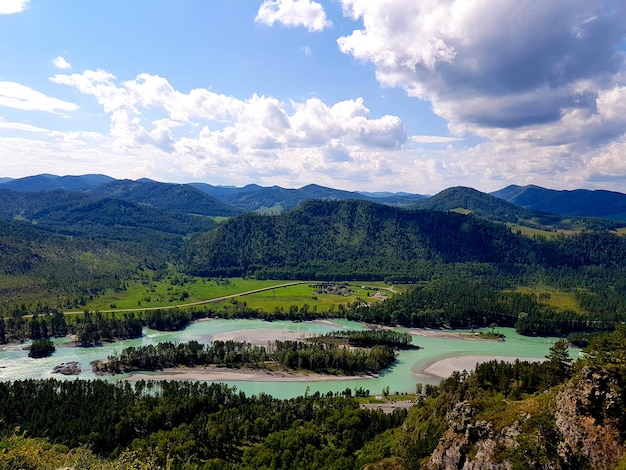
<point x="294" y="355"/>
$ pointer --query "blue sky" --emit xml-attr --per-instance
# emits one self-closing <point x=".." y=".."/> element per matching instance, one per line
<point x="393" y="95"/>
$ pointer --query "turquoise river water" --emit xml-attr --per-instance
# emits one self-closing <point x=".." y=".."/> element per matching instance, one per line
<point x="402" y="377"/>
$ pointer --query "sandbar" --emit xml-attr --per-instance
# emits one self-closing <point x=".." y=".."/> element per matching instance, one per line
<point x="259" y="336"/>
<point x="222" y="374"/>
<point x="444" y="368"/>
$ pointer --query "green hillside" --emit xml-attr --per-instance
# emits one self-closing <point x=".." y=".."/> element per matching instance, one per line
<point x="497" y="209"/>
<point x="347" y="239"/>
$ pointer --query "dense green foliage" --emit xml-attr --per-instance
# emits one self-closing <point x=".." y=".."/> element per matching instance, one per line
<point x="194" y="422"/>
<point x="360" y="240"/>
<point x="368" y="338"/>
<point x="41" y="348"/>
<point x="347" y="240"/>
<point x="68" y="245"/>
<point x="180" y="198"/>
<point x="296" y="355"/>
<point x="89" y="328"/>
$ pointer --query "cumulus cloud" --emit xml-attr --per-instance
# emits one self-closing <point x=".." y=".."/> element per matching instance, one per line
<point x="496" y="68"/>
<point x="61" y="63"/>
<point x="206" y="133"/>
<point x="8" y="7"/>
<point x="18" y="96"/>
<point x="294" y="13"/>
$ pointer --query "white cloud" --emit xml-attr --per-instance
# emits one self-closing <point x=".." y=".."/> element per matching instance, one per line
<point x="18" y="96"/>
<point x="204" y="133"/>
<point x="294" y="13"/>
<point x="434" y="139"/>
<point x="495" y="64"/>
<point x="20" y="126"/>
<point x="61" y="63"/>
<point x="542" y="83"/>
<point x="8" y="7"/>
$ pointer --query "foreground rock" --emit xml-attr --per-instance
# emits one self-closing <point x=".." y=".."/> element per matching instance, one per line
<point x="590" y="419"/>
<point x="67" y="368"/>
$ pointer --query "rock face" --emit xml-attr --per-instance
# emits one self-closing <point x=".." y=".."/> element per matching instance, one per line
<point x="67" y="368"/>
<point x="453" y="451"/>
<point x="589" y="413"/>
<point x="585" y="431"/>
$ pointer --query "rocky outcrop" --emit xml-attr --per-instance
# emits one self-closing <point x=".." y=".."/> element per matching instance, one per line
<point x="589" y="413"/>
<point x="67" y="368"/>
<point x="580" y="430"/>
<point x="471" y="445"/>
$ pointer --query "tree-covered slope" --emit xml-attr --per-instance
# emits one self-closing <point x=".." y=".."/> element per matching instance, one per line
<point x="37" y="265"/>
<point x="166" y="196"/>
<point x="481" y="204"/>
<point x="498" y="209"/>
<point x="354" y="239"/>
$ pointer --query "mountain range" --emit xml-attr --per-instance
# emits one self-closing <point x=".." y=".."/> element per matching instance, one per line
<point x="525" y="203"/>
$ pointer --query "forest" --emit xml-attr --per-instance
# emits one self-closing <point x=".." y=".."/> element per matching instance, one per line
<point x="318" y="357"/>
<point x="60" y="251"/>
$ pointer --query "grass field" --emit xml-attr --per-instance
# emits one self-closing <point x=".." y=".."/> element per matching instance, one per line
<point x="560" y="299"/>
<point x="174" y="290"/>
<point x="180" y="289"/>
<point x="532" y="232"/>
<point x="285" y="297"/>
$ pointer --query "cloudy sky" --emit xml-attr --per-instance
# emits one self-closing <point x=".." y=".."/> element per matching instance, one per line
<point x="393" y="95"/>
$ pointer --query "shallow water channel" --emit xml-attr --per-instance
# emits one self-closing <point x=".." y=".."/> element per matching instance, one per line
<point x="402" y="377"/>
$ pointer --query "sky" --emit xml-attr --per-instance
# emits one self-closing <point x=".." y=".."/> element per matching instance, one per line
<point x="385" y="95"/>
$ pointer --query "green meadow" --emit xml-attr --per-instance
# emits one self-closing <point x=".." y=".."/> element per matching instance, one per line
<point x="173" y="290"/>
<point x="532" y="232"/>
<point x="560" y="299"/>
<point x="307" y="293"/>
<point x="183" y="290"/>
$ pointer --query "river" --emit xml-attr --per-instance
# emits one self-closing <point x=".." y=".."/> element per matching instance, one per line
<point x="402" y="377"/>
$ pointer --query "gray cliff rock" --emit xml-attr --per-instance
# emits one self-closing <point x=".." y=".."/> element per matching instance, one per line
<point x="588" y="417"/>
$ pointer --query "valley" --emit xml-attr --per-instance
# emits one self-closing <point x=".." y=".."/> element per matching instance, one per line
<point x="148" y="277"/>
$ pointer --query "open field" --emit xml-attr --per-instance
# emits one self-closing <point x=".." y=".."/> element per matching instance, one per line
<point x="560" y="299"/>
<point x="174" y="290"/>
<point x="179" y="290"/>
<point x="532" y="232"/>
<point x="302" y="294"/>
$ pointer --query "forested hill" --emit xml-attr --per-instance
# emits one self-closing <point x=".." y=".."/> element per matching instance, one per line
<point x="579" y="202"/>
<point x="166" y="196"/>
<point x="496" y="208"/>
<point x="348" y="239"/>
<point x="465" y="199"/>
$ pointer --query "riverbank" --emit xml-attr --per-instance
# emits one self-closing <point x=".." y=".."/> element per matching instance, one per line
<point x="446" y="367"/>
<point x="222" y="374"/>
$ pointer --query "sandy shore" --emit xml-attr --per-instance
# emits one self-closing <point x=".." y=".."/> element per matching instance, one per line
<point x="447" y="334"/>
<point x="444" y="368"/>
<point x="258" y="336"/>
<point x="221" y="374"/>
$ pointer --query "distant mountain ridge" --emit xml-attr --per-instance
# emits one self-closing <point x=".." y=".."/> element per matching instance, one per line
<point x="527" y="202"/>
<point x="578" y="202"/>
<point x="468" y="200"/>
<point x="276" y="199"/>
<point x="47" y="182"/>
<point x="167" y="196"/>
